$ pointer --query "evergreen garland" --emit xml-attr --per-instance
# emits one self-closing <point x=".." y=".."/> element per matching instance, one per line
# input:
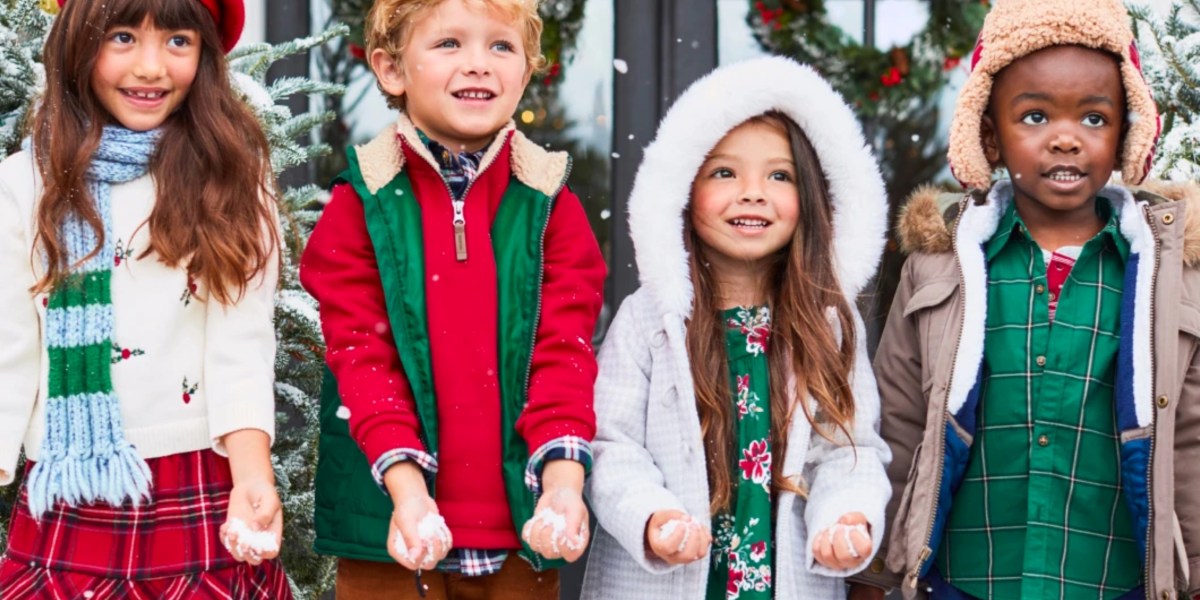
<point x="300" y="348"/>
<point x="1170" y="49"/>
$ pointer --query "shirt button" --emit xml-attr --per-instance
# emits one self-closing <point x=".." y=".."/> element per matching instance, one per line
<point x="1039" y="289"/>
<point x="1043" y="440"/>
<point x="1041" y="361"/>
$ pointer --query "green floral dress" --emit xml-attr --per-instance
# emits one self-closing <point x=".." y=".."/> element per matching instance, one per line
<point x="742" y="537"/>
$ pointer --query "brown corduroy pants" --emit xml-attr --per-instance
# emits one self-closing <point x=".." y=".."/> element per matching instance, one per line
<point x="367" y="580"/>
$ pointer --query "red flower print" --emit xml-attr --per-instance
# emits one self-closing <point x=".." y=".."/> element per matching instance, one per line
<point x="734" y="586"/>
<point x="951" y="62"/>
<point x="743" y="383"/>
<point x="190" y="292"/>
<point x="758" y="550"/>
<point x="756" y="466"/>
<point x="743" y="408"/>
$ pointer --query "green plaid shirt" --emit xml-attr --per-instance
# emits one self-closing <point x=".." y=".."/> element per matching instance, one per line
<point x="1040" y="512"/>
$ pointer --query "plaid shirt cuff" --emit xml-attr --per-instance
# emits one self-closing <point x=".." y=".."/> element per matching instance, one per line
<point x="473" y="563"/>
<point x="426" y="461"/>
<point x="567" y="447"/>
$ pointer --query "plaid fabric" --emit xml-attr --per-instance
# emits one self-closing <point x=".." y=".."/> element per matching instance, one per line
<point x="162" y="549"/>
<point x="473" y="562"/>
<point x="459" y="169"/>
<point x="243" y="582"/>
<point x="567" y="447"/>
<point x="1040" y="512"/>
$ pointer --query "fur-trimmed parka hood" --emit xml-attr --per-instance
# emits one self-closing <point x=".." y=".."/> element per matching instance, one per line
<point x="708" y="110"/>
<point x="929" y="215"/>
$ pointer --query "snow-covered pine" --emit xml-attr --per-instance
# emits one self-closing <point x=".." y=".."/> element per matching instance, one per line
<point x="300" y="360"/>
<point x="23" y="25"/>
<point x="1170" y="47"/>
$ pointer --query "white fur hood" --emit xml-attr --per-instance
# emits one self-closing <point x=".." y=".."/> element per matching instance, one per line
<point x="708" y="110"/>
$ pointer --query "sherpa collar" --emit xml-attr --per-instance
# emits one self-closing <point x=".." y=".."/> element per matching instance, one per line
<point x="382" y="158"/>
<point x="708" y="110"/>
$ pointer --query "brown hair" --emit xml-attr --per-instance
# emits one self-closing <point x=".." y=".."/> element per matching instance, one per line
<point x="211" y="168"/>
<point x="802" y="283"/>
<point x="390" y="24"/>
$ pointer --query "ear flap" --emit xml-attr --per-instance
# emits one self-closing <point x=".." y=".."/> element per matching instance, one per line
<point x="989" y="137"/>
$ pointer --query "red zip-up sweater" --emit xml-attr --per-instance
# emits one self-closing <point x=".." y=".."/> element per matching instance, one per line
<point x="340" y="270"/>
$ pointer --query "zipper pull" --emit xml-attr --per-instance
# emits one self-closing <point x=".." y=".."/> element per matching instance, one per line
<point x="460" y="232"/>
<point x="916" y="570"/>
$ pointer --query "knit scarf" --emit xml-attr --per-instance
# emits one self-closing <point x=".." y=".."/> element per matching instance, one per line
<point x="85" y="457"/>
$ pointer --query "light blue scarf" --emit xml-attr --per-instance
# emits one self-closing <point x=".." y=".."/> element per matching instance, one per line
<point x="85" y="456"/>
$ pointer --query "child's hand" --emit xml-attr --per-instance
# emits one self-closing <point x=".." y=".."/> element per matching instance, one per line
<point x="417" y="534"/>
<point x="253" y="525"/>
<point x="845" y="545"/>
<point x="676" y="538"/>
<point x="559" y="527"/>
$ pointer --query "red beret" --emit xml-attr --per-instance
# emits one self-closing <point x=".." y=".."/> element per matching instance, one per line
<point x="230" y="16"/>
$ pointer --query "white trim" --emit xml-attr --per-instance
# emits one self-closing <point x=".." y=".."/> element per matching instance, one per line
<point x="708" y="110"/>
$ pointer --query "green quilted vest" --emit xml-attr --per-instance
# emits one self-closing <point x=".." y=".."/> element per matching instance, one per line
<point x="351" y="512"/>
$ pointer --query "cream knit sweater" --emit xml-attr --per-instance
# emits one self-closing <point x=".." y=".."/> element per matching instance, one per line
<point x="187" y="370"/>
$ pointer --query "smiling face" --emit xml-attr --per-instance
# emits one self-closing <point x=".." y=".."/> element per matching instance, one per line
<point x="143" y="74"/>
<point x="1055" y="121"/>
<point x="461" y="72"/>
<point x="745" y="203"/>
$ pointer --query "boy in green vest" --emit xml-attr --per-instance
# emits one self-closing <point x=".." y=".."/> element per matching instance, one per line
<point x="459" y="284"/>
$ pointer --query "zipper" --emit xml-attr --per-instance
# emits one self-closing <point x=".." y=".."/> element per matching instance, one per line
<point x="1153" y="425"/>
<point x="940" y="451"/>
<point x="459" y="220"/>
<point x="536" y="558"/>
<point x="460" y="227"/>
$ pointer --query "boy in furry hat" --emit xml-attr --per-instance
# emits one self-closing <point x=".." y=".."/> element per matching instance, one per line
<point x="459" y="284"/>
<point x="1039" y="372"/>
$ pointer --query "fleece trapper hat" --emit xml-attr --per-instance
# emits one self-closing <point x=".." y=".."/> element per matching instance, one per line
<point x="230" y="16"/>
<point x="1016" y="28"/>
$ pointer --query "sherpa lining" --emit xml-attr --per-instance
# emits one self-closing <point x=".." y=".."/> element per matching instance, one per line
<point x="382" y="158"/>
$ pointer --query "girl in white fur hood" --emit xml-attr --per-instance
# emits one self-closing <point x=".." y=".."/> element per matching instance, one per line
<point x="758" y="215"/>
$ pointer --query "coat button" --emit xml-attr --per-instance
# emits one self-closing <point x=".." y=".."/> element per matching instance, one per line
<point x="1163" y="401"/>
<point x="1039" y="289"/>
<point x="1167" y="219"/>
<point x="1043" y="440"/>
<point x="1041" y="361"/>
<point x="877" y="565"/>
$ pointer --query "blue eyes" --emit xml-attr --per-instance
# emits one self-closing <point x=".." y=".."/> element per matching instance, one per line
<point x="502" y="46"/>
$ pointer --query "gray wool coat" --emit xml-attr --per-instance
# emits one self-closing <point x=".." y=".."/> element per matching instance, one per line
<point x="648" y="451"/>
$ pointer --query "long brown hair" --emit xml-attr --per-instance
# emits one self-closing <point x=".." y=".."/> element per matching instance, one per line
<point x="211" y="168"/>
<point x="802" y="283"/>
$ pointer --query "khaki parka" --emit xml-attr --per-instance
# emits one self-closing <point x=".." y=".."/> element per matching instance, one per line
<point x="928" y="360"/>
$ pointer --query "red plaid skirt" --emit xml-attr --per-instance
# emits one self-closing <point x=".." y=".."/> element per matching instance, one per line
<point x="169" y="547"/>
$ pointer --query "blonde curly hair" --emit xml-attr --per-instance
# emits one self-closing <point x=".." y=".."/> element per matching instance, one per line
<point x="390" y="23"/>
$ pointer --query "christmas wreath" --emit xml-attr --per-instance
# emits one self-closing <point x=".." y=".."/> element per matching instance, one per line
<point x="877" y="81"/>
<point x="561" y="21"/>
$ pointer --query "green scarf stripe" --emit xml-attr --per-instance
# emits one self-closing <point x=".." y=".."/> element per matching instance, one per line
<point x="84" y="370"/>
<point x="83" y="289"/>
